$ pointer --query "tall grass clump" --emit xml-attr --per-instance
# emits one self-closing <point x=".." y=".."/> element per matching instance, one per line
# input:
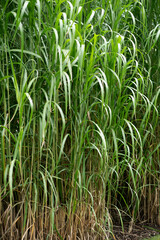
<point x="79" y="119"/>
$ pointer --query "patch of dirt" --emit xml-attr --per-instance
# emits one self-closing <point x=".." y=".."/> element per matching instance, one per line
<point x="139" y="232"/>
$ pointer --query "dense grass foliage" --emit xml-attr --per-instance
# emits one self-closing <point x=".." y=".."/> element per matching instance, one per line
<point x="79" y="119"/>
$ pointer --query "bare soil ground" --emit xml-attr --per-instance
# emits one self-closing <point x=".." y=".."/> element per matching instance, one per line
<point x="139" y="232"/>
